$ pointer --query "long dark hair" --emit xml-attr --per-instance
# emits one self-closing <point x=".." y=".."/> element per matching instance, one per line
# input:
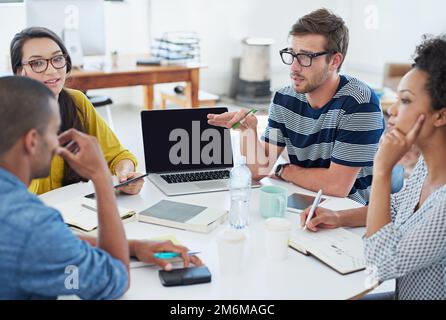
<point x="70" y="114"/>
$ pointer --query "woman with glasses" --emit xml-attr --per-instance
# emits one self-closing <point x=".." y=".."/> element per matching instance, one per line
<point x="40" y="54"/>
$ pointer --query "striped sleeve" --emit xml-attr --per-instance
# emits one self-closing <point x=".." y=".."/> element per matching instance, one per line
<point x="358" y="136"/>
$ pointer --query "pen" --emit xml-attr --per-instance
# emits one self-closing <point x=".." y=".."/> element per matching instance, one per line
<point x="170" y="255"/>
<point x="86" y="206"/>
<point x="313" y="208"/>
<point x="236" y="125"/>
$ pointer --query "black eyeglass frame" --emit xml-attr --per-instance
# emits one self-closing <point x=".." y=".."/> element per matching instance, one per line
<point x="296" y="56"/>
<point x="48" y="61"/>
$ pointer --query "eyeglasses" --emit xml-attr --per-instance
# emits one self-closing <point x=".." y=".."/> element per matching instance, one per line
<point x="41" y="65"/>
<point x="304" y="59"/>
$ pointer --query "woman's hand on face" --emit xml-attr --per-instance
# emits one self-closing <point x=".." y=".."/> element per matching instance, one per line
<point x="395" y="145"/>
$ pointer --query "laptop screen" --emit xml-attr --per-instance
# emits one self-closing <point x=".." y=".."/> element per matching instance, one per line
<point x="182" y="140"/>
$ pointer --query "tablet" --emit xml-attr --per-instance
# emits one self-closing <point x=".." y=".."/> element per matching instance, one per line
<point x="298" y="202"/>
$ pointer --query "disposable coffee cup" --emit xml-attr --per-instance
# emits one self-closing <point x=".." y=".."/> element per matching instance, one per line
<point x="277" y="235"/>
<point x="231" y="247"/>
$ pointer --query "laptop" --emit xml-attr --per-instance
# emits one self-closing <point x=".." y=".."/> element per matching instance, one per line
<point x="184" y="154"/>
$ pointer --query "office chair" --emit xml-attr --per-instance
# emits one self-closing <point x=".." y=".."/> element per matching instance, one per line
<point x="103" y="101"/>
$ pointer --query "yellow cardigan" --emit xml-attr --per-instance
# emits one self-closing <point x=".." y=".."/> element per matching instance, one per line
<point x="111" y="147"/>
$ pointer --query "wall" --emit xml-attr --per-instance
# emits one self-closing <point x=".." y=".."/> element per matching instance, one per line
<point x="127" y="31"/>
<point x="380" y="31"/>
<point x="388" y="31"/>
<point x="223" y="24"/>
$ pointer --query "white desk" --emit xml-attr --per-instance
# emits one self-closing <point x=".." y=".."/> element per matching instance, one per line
<point x="297" y="277"/>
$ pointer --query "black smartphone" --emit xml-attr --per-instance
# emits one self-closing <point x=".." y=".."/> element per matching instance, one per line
<point x="91" y="195"/>
<point x="185" y="276"/>
<point x="299" y="202"/>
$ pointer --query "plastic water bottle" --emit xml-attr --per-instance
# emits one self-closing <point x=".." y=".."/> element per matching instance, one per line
<point x="240" y="189"/>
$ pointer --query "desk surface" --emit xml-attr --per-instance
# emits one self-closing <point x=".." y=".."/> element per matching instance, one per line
<point x="297" y="277"/>
<point x="126" y="73"/>
<point x="127" y="64"/>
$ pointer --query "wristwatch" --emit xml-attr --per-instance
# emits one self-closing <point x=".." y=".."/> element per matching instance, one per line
<point x="279" y="170"/>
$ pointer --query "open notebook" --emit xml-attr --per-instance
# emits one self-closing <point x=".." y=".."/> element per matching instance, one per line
<point x="340" y="249"/>
<point x="81" y="213"/>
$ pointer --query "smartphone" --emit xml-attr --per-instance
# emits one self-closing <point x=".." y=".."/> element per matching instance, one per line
<point x="91" y="195"/>
<point x="298" y="202"/>
<point x="185" y="276"/>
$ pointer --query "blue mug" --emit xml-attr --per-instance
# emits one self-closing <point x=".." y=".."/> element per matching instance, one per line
<point x="273" y="201"/>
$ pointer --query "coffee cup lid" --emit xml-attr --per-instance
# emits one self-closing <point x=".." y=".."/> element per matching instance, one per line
<point x="232" y="235"/>
<point x="278" y="224"/>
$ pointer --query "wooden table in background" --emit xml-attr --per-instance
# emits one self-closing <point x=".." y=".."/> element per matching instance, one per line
<point x="126" y="73"/>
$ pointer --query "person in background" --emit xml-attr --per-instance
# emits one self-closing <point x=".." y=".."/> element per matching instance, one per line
<point x="40" y="54"/>
<point x="406" y="231"/>
<point x="329" y="124"/>
<point x="39" y="251"/>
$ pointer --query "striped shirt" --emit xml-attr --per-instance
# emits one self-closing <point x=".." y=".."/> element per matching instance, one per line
<point x="345" y="131"/>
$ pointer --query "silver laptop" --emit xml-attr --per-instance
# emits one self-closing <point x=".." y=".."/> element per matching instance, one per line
<point x="184" y="154"/>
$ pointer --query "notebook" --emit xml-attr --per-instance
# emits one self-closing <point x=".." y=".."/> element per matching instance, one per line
<point x="183" y="216"/>
<point x="340" y="249"/>
<point x="81" y="214"/>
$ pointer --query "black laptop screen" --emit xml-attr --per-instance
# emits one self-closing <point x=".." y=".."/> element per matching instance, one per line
<point x="180" y="140"/>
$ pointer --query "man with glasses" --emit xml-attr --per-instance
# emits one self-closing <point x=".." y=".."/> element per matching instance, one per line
<point x="330" y="124"/>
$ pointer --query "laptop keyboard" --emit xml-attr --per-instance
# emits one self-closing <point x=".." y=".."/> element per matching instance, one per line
<point x="196" y="176"/>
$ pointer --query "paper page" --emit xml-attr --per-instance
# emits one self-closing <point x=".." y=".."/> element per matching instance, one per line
<point x="340" y="204"/>
<point x="82" y="213"/>
<point x="339" y="248"/>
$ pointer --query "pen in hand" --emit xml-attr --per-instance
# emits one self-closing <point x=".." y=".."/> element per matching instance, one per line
<point x="239" y="123"/>
<point x="313" y="208"/>
<point x="170" y="255"/>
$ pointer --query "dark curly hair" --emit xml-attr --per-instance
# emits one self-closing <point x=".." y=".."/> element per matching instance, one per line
<point x="430" y="56"/>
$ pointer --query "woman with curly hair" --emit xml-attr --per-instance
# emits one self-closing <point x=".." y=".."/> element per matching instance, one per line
<point x="406" y="232"/>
